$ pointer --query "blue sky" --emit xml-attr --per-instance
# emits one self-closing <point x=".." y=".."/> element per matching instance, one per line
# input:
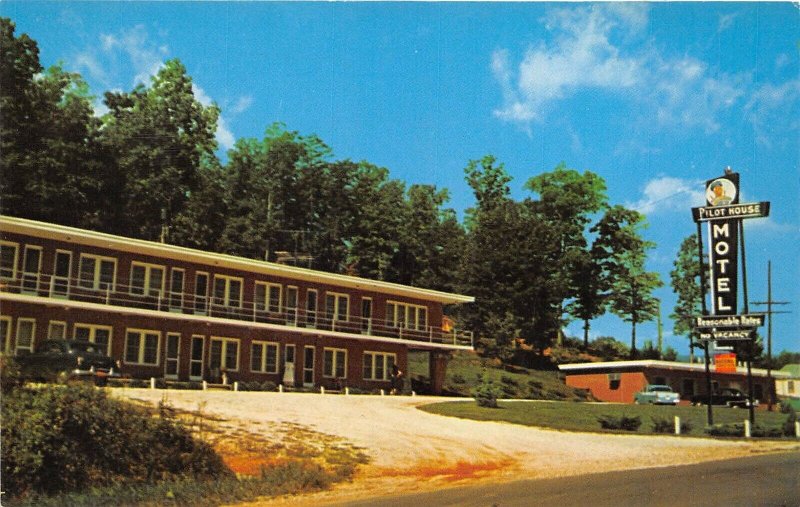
<point x="654" y="97"/>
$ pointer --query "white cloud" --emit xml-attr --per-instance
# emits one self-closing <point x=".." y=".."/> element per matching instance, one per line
<point x="242" y="104"/>
<point x="666" y="193"/>
<point x="726" y="21"/>
<point x="770" y="107"/>
<point x="585" y="54"/>
<point x="223" y="134"/>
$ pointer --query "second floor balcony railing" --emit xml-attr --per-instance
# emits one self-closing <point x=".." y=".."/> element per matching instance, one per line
<point x="121" y="295"/>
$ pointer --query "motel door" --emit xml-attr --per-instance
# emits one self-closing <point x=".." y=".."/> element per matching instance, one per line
<point x="196" y="359"/>
<point x="288" y="365"/>
<point x="308" y="366"/>
<point x="173" y="355"/>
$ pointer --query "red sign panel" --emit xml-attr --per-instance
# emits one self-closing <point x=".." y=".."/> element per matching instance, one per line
<point x="725" y="363"/>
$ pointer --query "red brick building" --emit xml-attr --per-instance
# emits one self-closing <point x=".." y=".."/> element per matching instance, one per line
<point x="185" y="314"/>
<point x="619" y="381"/>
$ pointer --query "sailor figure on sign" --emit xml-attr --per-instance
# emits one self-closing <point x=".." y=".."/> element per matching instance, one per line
<point x="721" y="192"/>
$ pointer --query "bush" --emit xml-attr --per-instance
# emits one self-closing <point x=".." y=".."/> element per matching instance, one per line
<point x="458" y="379"/>
<point x="666" y="425"/>
<point x="623" y="422"/>
<point x="487" y="393"/>
<point x="10" y="375"/>
<point x="737" y="430"/>
<point x="791" y="418"/>
<point x="68" y="438"/>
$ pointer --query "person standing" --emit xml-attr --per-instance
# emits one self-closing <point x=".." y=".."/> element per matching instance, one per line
<point x="397" y="380"/>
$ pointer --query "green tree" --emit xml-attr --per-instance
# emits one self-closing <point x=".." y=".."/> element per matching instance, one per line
<point x="567" y="200"/>
<point x="685" y="280"/>
<point x="159" y="137"/>
<point x="48" y="170"/>
<point x="619" y="235"/>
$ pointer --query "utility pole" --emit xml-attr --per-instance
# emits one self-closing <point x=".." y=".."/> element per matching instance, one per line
<point x="660" y="332"/>
<point x="769" y="302"/>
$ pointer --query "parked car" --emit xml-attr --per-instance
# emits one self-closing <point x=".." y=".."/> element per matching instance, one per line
<point x="62" y="360"/>
<point x="726" y="396"/>
<point x="656" y="394"/>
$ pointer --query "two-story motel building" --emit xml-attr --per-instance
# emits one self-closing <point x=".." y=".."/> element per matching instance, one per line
<point x="184" y="314"/>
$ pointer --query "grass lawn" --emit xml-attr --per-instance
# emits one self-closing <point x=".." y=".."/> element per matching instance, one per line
<point x="573" y="416"/>
<point x="466" y="369"/>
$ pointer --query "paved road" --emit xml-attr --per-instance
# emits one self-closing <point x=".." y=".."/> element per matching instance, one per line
<point x="763" y="481"/>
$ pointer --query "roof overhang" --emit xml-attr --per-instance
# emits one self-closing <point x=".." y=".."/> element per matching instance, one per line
<point x="102" y="240"/>
<point x="577" y="368"/>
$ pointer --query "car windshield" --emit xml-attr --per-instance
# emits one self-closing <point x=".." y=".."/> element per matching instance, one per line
<point x="667" y="389"/>
<point x="83" y="346"/>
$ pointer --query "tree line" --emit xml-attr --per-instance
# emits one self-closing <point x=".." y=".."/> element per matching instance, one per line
<point x="148" y="168"/>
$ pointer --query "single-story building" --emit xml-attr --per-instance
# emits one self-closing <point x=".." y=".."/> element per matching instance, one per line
<point x="619" y="381"/>
<point x="788" y="386"/>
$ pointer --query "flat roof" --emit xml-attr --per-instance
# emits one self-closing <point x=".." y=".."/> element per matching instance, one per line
<point x="656" y="364"/>
<point x="103" y="240"/>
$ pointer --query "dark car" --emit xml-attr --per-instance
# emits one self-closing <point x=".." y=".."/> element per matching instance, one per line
<point x="726" y="396"/>
<point x="62" y="360"/>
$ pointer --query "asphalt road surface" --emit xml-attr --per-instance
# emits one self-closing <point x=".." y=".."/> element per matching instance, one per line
<point x="762" y="481"/>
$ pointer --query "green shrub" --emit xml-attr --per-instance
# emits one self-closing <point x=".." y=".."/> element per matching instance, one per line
<point x="458" y="379"/>
<point x="487" y="393"/>
<point x="622" y="422"/>
<point x="791" y="418"/>
<point x="737" y="430"/>
<point x="505" y="379"/>
<point x="667" y="425"/>
<point x="67" y="438"/>
<point x="10" y="376"/>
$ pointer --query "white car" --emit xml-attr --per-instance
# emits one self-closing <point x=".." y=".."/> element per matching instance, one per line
<point x="656" y="394"/>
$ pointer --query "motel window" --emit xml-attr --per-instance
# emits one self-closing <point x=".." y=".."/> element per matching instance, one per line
<point x="97" y="272"/>
<point x="378" y="365"/>
<point x="101" y="335"/>
<point x="8" y="259"/>
<point x="406" y="316"/>
<point x="264" y="357"/>
<point x="614" y="380"/>
<point x="335" y="363"/>
<point x="789" y="385"/>
<point x="56" y="330"/>
<point x="141" y="347"/>
<point x="147" y="279"/>
<point x="5" y="334"/>
<point x="227" y="291"/>
<point x="31" y="268"/>
<point x="268" y="297"/>
<point x="336" y="306"/>
<point x="26" y="331"/>
<point x="224" y="354"/>
<point x="61" y="273"/>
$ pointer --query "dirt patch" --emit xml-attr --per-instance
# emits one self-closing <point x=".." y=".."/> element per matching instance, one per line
<point x="411" y="451"/>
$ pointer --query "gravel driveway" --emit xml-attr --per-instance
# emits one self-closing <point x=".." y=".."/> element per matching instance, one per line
<point x="412" y="450"/>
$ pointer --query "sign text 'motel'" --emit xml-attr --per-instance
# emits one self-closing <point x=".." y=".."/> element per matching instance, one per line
<point x="723" y="193"/>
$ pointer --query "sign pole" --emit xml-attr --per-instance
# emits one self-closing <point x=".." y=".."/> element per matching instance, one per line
<point x="746" y="312"/>
<point x="706" y="355"/>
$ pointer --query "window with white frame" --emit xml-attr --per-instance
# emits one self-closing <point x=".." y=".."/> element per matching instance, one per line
<point x="228" y="291"/>
<point x="406" y="316"/>
<point x="96" y="272"/>
<point x="142" y="346"/>
<point x="268" y="297"/>
<point x="26" y="332"/>
<point x="335" y="363"/>
<point x="5" y="334"/>
<point x="101" y="335"/>
<point x="264" y="357"/>
<point x="56" y="330"/>
<point x="378" y="365"/>
<point x="337" y="306"/>
<point x="8" y="259"/>
<point x="147" y="279"/>
<point x="224" y="354"/>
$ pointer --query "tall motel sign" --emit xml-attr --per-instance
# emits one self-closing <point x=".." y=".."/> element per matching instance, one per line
<point x="726" y="326"/>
